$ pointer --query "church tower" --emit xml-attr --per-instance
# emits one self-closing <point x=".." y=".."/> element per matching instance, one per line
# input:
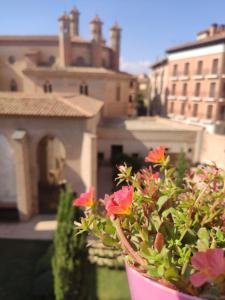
<point x="96" y="29"/>
<point x="96" y="41"/>
<point x="74" y="22"/>
<point x="115" y="39"/>
<point x="64" y="40"/>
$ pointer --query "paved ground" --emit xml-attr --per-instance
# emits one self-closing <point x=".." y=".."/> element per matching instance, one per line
<point x="41" y="227"/>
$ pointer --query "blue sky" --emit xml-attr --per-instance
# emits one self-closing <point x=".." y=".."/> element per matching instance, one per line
<point x="149" y="26"/>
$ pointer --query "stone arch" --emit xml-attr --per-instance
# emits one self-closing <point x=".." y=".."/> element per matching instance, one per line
<point x="8" y="193"/>
<point x="51" y="159"/>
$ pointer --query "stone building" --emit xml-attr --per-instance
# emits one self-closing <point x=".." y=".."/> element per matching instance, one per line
<point x="196" y="80"/>
<point x="159" y="87"/>
<point x="54" y="92"/>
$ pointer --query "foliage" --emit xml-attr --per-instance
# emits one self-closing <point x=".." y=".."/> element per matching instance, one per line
<point x="164" y="228"/>
<point x="70" y="257"/>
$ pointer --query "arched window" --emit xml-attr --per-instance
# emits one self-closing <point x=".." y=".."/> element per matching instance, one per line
<point x="80" y="61"/>
<point x="13" y="86"/>
<point x="118" y="92"/>
<point x="51" y="60"/>
<point x="84" y="89"/>
<point x="47" y="87"/>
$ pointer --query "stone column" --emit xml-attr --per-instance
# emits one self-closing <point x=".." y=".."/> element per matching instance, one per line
<point x="89" y="160"/>
<point x="23" y="175"/>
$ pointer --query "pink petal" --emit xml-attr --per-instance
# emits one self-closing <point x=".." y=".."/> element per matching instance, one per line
<point x="198" y="279"/>
<point x="215" y="261"/>
<point x="199" y="260"/>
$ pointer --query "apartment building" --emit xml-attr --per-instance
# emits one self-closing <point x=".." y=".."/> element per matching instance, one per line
<point x="196" y="80"/>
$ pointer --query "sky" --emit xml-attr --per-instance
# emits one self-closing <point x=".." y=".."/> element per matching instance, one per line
<point x="149" y="27"/>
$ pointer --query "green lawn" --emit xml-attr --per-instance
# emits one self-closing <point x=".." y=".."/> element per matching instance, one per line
<point x="18" y="268"/>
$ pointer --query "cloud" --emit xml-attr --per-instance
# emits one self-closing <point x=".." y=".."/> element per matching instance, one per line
<point x="135" y="67"/>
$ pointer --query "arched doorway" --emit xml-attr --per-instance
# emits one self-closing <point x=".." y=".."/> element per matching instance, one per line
<point x="8" y="196"/>
<point x="51" y="164"/>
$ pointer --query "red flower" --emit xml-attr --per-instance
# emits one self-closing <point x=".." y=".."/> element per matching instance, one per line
<point x="119" y="203"/>
<point x="210" y="264"/>
<point x="156" y="156"/>
<point x="85" y="199"/>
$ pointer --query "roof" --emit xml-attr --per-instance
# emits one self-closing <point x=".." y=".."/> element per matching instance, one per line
<point x="57" y="70"/>
<point x="158" y="63"/>
<point x="51" y="105"/>
<point x="216" y="39"/>
<point x="36" y="38"/>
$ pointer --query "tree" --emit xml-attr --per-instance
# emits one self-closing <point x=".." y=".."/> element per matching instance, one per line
<point x="70" y="253"/>
<point x="182" y="166"/>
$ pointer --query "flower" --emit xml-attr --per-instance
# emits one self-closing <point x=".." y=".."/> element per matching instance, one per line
<point x="156" y="156"/>
<point x="85" y="199"/>
<point x="210" y="264"/>
<point x="119" y="203"/>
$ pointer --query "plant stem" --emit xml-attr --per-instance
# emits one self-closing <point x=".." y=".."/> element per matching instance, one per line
<point x="126" y="245"/>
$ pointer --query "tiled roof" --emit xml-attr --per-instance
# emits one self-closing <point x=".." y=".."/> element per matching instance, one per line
<point x="52" y="105"/>
<point x="199" y="43"/>
<point x="36" y="38"/>
<point x="76" y="70"/>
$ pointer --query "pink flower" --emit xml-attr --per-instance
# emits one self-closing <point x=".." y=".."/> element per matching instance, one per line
<point x="210" y="264"/>
<point x="156" y="156"/>
<point x="85" y="199"/>
<point x="119" y="203"/>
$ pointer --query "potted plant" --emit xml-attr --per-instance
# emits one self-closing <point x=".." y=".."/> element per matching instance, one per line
<point x="172" y="235"/>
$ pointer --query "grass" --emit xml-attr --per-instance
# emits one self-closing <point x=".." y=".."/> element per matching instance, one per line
<point x="18" y="262"/>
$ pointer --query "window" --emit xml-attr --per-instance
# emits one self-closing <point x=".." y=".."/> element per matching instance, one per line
<point x="199" y="67"/>
<point x="84" y="89"/>
<point x="47" y="87"/>
<point x="118" y="92"/>
<point x="131" y="84"/>
<point x="186" y="69"/>
<point x="130" y="98"/>
<point x="197" y="89"/>
<point x="172" y="107"/>
<point x="174" y="89"/>
<point x="182" y="108"/>
<point x="195" y="110"/>
<point x="175" y="70"/>
<point x="101" y="156"/>
<point x="116" y="150"/>
<point x="184" y="92"/>
<point x="80" y="61"/>
<point x="222" y="113"/>
<point x="212" y="90"/>
<point x="215" y="65"/>
<point x="223" y="90"/>
<point x="13" y="86"/>
<point x="51" y="60"/>
<point x="209" y="111"/>
<point x="11" y="59"/>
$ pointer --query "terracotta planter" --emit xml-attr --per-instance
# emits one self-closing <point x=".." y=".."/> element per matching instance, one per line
<point x="142" y="288"/>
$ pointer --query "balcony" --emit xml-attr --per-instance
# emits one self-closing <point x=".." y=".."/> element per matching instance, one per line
<point x="196" y="98"/>
<point x="182" y="98"/>
<point x="209" y="99"/>
<point x="172" y="97"/>
<point x="198" y="77"/>
<point x="212" y="76"/>
<point x="174" y="78"/>
<point x="184" y="77"/>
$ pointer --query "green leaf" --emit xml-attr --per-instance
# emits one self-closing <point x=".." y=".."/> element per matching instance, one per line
<point x="161" y="201"/>
<point x="108" y="241"/>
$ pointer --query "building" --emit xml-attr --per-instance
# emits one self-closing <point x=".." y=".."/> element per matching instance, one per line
<point x="196" y="80"/>
<point x="159" y="87"/>
<point x="54" y="92"/>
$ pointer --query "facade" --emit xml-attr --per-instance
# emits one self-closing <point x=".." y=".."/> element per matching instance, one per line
<point x="158" y="87"/>
<point x="196" y="80"/>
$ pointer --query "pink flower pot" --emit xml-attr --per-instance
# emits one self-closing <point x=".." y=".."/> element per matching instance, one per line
<point x="142" y="288"/>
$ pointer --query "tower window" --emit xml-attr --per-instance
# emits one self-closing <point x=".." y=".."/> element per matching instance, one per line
<point x="47" y="87"/>
<point x="118" y="93"/>
<point x="11" y="59"/>
<point x="13" y="86"/>
<point x="84" y="89"/>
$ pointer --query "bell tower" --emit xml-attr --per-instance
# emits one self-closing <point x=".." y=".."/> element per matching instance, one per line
<point x="74" y="22"/>
<point x="64" y="40"/>
<point x="115" y="40"/>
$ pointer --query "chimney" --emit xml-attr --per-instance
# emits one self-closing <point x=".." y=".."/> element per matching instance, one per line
<point x="213" y="29"/>
<point x="74" y="22"/>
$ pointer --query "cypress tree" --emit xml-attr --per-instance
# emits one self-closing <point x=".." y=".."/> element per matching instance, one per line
<point x="70" y="253"/>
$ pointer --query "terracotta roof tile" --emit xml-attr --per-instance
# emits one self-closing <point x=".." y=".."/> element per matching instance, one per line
<point x="53" y="105"/>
